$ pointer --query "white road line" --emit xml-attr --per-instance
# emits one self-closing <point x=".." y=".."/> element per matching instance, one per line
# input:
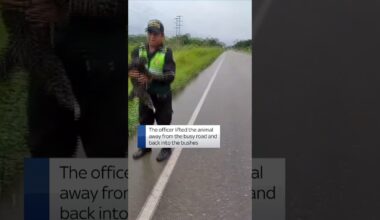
<point x="202" y="100"/>
<point x="154" y="198"/>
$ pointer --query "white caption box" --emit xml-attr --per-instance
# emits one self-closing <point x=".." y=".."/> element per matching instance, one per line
<point x="182" y="136"/>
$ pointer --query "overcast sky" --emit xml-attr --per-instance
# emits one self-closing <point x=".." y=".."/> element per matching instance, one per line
<point x="227" y="20"/>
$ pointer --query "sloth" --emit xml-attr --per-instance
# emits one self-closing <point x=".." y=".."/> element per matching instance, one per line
<point x="30" y="49"/>
<point x="139" y="90"/>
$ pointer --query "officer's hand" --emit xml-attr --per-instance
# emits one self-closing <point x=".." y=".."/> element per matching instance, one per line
<point x="42" y="12"/>
<point x="19" y="5"/>
<point x="133" y="74"/>
<point x="143" y="79"/>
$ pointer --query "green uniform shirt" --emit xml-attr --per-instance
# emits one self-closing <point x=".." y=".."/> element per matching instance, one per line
<point x="160" y="62"/>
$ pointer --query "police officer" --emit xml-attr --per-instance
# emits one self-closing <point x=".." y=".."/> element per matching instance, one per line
<point x="162" y="68"/>
<point x="93" y="50"/>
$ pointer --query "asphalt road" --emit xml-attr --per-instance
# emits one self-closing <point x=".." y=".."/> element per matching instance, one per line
<point x="316" y="103"/>
<point x="205" y="183"/>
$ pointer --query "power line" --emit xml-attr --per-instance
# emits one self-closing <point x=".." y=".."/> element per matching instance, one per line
<point x="178" y="25"/>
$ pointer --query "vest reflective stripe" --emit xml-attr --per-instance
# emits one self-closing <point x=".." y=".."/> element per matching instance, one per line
<point x="156" y="64"/>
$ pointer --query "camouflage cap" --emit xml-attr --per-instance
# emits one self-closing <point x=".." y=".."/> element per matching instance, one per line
<point x="155" y="26"/>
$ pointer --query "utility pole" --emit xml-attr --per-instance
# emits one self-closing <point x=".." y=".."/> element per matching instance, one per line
<point x="178" y="25"/>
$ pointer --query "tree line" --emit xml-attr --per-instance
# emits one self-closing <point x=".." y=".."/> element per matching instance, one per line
<point x="181" y="40"/>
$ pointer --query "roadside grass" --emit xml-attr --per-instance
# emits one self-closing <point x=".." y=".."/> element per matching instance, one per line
<point x="190" y="61"/>
<point x="13" y="125"/>
<point x="13" y="121"/>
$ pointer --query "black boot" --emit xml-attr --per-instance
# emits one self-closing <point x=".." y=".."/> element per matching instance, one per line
<point x="164" y="154"/>
<point x="141" y="152"/>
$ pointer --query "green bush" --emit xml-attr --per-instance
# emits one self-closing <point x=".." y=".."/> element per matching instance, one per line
<point x="244" y="45"/>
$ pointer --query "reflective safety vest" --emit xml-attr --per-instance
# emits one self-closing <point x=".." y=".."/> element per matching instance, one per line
<point x="156" y="64"/>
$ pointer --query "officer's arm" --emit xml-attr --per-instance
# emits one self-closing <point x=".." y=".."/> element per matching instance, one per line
<point x="98" y="8"/>
<point x="169" y="69"/>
